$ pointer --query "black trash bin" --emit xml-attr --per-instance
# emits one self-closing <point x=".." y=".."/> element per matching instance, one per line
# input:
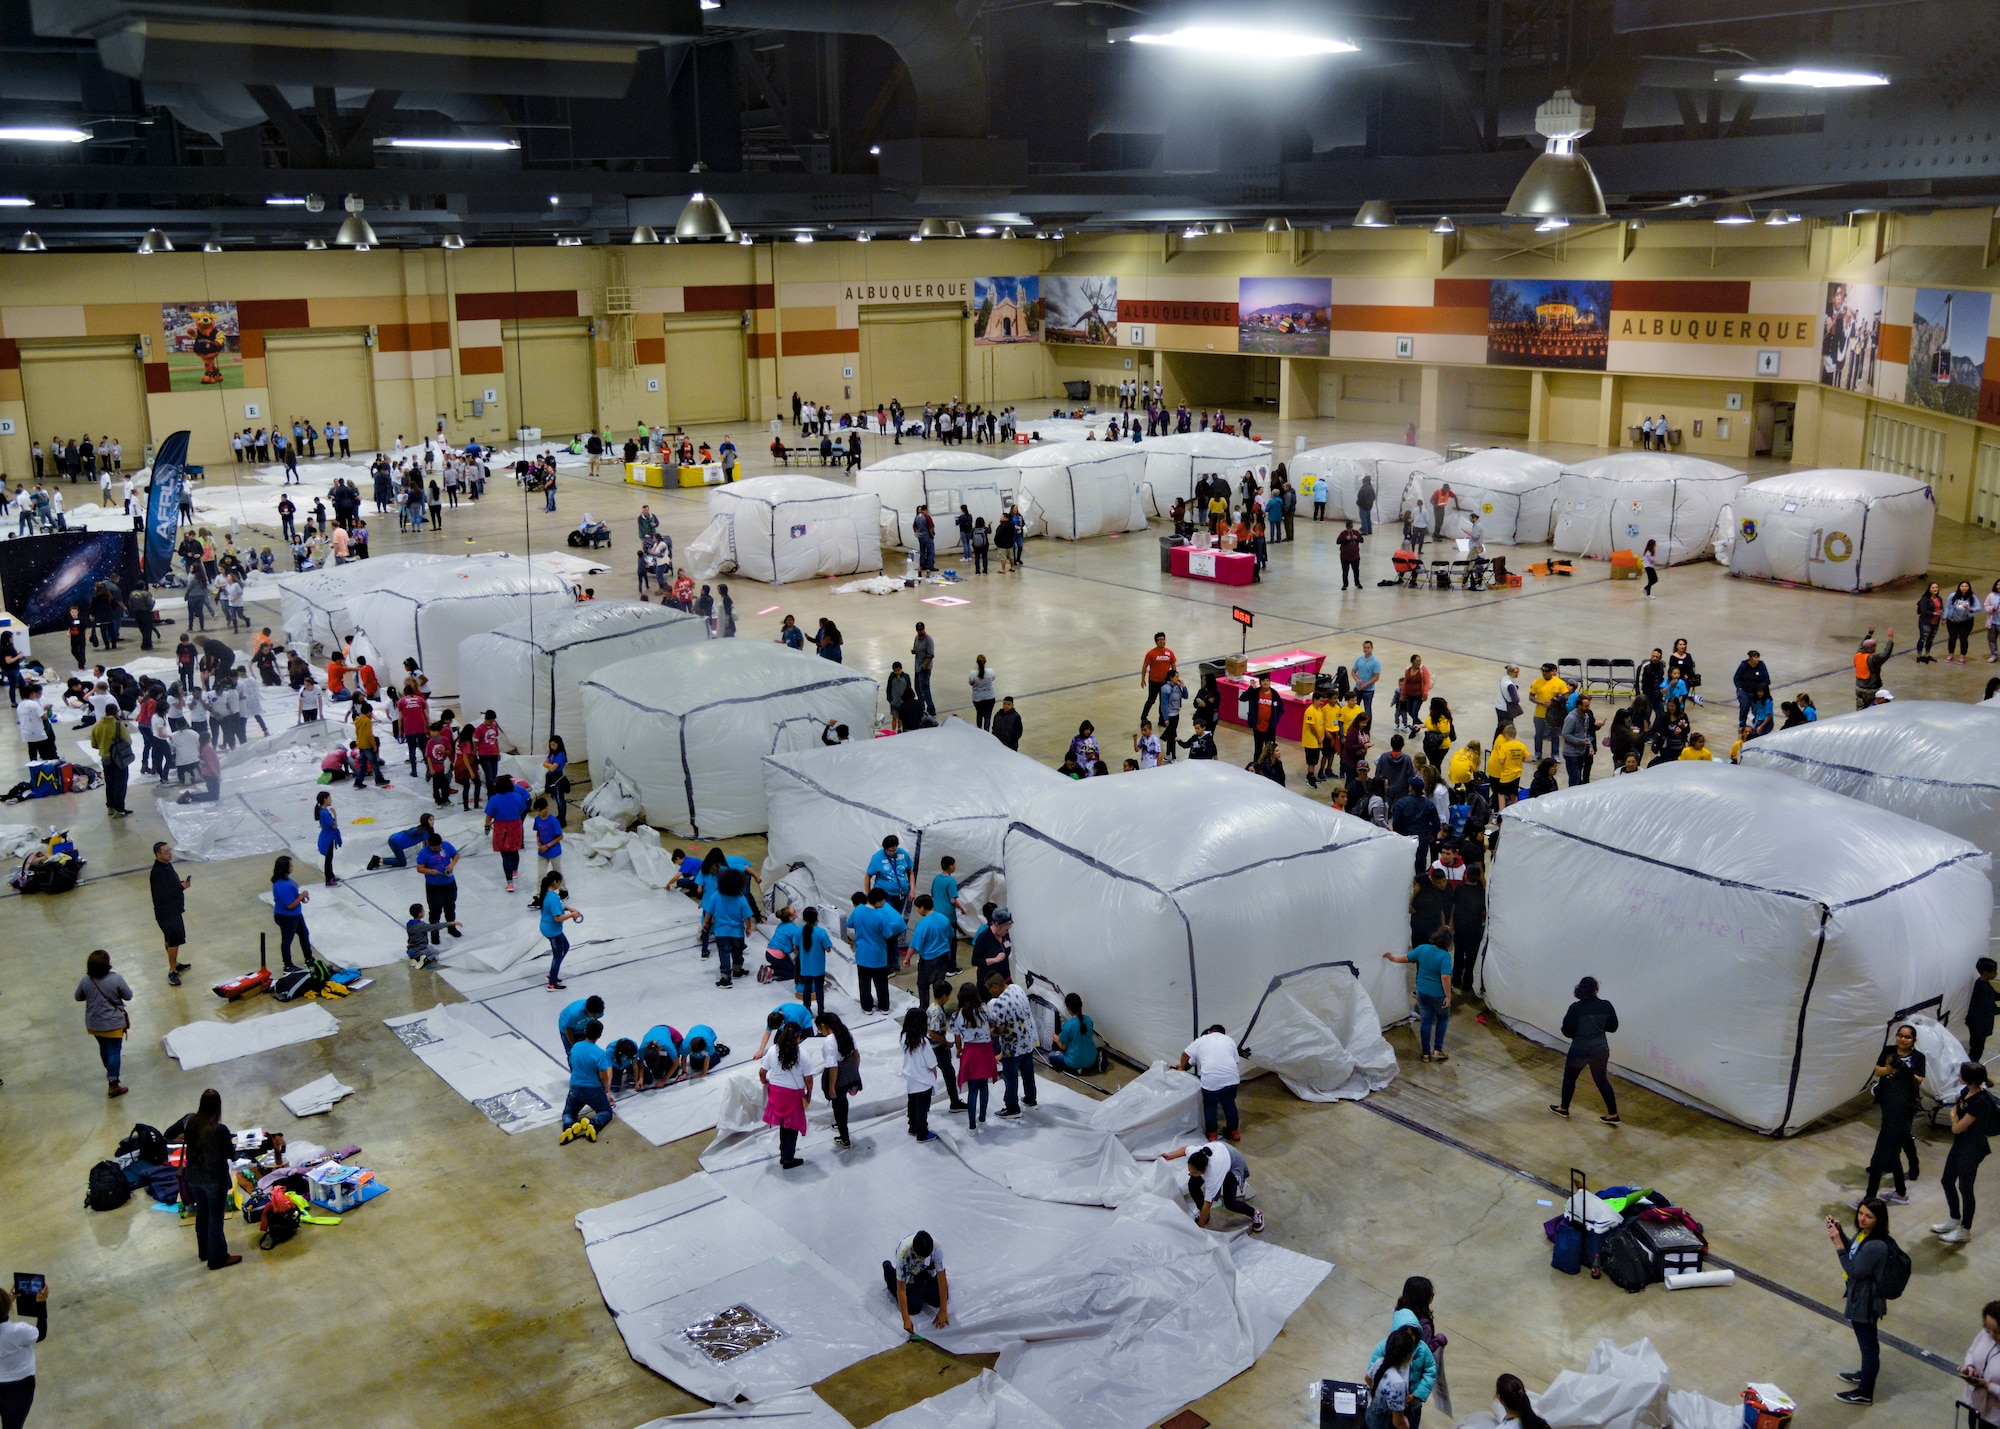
<point x="1078" y="391"/>
<point x="1167" y="544"/>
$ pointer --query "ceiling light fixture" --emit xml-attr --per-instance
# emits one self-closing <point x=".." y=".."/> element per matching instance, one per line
<point x="644" y="234"/>
<point x="285" y="201"/>
<point x="863" y="236"/>
<point x="1635" y="224"/>
<point x="1221" y="228"/>
<point x="155" y="241"/>
<point x="916" y="238"/>
<point x="1007" y="233"/>
<point x="453" y="242"/>
<point x="30" y="242"/>
<point x="875" y="148"/>
<point x="1376" y="213"/>
<point x="1240" y="42"/>
<point x="568" y="240"/>
<point x="15" y="201"/>
<point x="1277" y="225"/>
<point x="702" y="218"/>
<point x="355" y="231"/>
<point x="41" y="134"/>
<point x="802" y="238"/>
<point x="1194" y="230"/>
<point x="314" y="203"/>
<point x="746" y="240"/>
<point x="1776" y="218"/>
<point x="315" y="245"/>
<point x="1444" y="225"/>
<point x="1735" y="212"/>
<point x="1806" y="77"/>
<point x="986" y="230"/>
<point x="1552" y="224"/>
<point x="484" y="146"/>
<point x="211" y="247"/>
<point x="941" y="228"/>
<point x="1560" y="181"/>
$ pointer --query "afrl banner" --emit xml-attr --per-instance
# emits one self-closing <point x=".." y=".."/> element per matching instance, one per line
<point x="163" y="505"/>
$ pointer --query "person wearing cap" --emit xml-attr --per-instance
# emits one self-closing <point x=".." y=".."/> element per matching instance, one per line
<point x="1550" y="695"/>
<point x="1868" y="663"/>
<point x="994" y="946"/>
<point x="1883" y="697"/>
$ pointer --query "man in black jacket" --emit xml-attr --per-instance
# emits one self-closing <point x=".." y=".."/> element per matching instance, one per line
<point x="169" y="907"/>
<point x="1652" y="679"/>
<point x="1007" y="727"/>
<point x="1752" y="675"/>
<point x="1415" y="815"/>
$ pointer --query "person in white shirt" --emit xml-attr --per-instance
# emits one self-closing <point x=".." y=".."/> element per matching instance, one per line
<point x="1146" y="745"/>
<point x="916" y="1279"/>
<point x="919" y="1074"/>
<point x="18" y="1339"/>
<point x="1218" y="1173"/>
<point x="312" y="700"/>
<point x="31" y="720"/>
<point x="1212" y="1058"/>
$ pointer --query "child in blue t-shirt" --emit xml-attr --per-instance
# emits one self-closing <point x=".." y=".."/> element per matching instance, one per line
<point x="548" y="841"/>
<point x="688" y="877"/>
<point x="813" y="946"/>
<point x="944" y="898"/>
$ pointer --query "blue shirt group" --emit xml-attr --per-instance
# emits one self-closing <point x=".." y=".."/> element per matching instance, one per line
<point x="812" y="951"/>
<point x="1433" y="966"/>
<point x="663" y="1037"/>
<point x="891" y="875"/>
<point x="707" y="880"/>
<point x="944" y="893"/>
<point x="798" y="1014"/>
<point x="436" y="864"/>
<point x="707" y="1036"/>
<point x="508" y="808"/>
<point x="572" y="1019"/>
<point x="284" y="893"/>
<point x="548" y="830"/>
<point x="728" y="916"/>
<point x="931" y="938"/>
<point x="552" y="910"/>
<point x="875" y="931"/>
<point x="586" y="1060"/>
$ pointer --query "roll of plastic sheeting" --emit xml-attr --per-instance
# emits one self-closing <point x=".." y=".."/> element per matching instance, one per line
<point x="1699" y="1279"/>
<point x="1733" y="901"/>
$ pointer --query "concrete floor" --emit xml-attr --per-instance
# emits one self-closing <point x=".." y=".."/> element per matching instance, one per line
<point x="463" y="1297"/>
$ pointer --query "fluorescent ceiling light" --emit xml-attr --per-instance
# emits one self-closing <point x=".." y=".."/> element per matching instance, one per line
<point x="14" y="201"/>
<point x="986" y="230"/>
<point x="1806" y="77"/>
<point x="485" y="146"/>
<point x="802" y="238"/>
<point x="42" y="134"/>
<point x="874" y="148"/>
<point x="1239" y="42"/>
<point x="280" y="201"/>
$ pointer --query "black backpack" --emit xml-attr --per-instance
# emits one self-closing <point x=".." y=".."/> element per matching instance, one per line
<point x="147" y="1141"/>
<point x="1625" y="1261"/>
<point x="1895" y="1276"/>
<point x="108" y="1188"/>
<point x="293" y="984"/>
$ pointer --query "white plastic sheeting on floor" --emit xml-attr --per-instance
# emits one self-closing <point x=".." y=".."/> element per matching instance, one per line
<point x="1838" y="529"/>
<point x="1758" y="932"/>
<point x="1175" y="463"/>
<point x="1513" y="493"/>
<point x="792" y="528"/>
<point x="988" y="1402"/>
<point x="429" y="609"/>
<point x="944" y="479"/>
<point x="1619" y="1387"/>
<point x="944" y="792"/>
<point x="1083" y="489"/>
<point x="1132" y="893"/>
<point x="801" y="1409"/>
<point x="516" y="1085"/>
<point x="316" y="1097"/>
<point x="1117" y="1317"/>
<point x="688" y="729"/>
<point x="531" y="670"/>
<point x="203" y="1044"/>
<point x="1395" y="470"/>
<point x="1622" y="501"/>
<point x="1928" y="760"/>
<point x="313" y="605"/>
<point x="1322" y="1035"/>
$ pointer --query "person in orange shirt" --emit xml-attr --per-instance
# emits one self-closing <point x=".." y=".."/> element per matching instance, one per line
<point x="371" y="684"/>
<point x="1154" y="667"/>
<point x="336" y="677"/>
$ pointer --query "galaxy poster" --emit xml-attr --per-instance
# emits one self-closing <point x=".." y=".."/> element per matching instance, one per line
<point x="41" y="577"/>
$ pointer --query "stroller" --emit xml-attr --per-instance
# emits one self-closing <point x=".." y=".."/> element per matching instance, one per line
<point x="52" y="868"/>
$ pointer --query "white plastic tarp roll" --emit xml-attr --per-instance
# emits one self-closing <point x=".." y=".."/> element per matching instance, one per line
<point x="943" y="479"/>
<point x="1343" y="465"/>
<point x="1756" y="934"/>
<point x="947" y="792"/>
<point x="1622" y="501"/>
<point x="1513" y="493"/>
<point x="1837" y="529"/>
<point x="531" y="671"/>
<point x="314" y="604"/>
<point x="1133" y="891"/>
<point x="1928" y="760"/>
<point x="1175" y="463"/>
<point x="688" y="729"/>
<point x="429" y="610"/>
<point x="791" y="528"/>
<point x="1084" y="489"/>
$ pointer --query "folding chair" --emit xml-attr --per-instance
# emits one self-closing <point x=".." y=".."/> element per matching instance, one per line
<point x="1570" y="670"/>
<point x="1597" y="673"/>
<point x="1625" y="672"/>
<point x="1441" y="569"/>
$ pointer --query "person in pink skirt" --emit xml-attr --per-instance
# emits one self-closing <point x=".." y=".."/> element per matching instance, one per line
<point x="787" y="1089"/>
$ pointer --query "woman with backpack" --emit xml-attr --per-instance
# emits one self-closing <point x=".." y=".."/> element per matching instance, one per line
<point x="1863" y="1258"/>
<point x="1974" y="1118"/>
<point x="210" y="1144"/>
<point x="104" y="994"/>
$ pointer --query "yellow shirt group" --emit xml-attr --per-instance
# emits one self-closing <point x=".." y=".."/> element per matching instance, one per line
<point x="1318" y="722"/>
<point x="1508" y="759"/>
<point x="1692" y="753"/>
<point x="1549" y="687"/>
<point x="1460" y="769"/>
